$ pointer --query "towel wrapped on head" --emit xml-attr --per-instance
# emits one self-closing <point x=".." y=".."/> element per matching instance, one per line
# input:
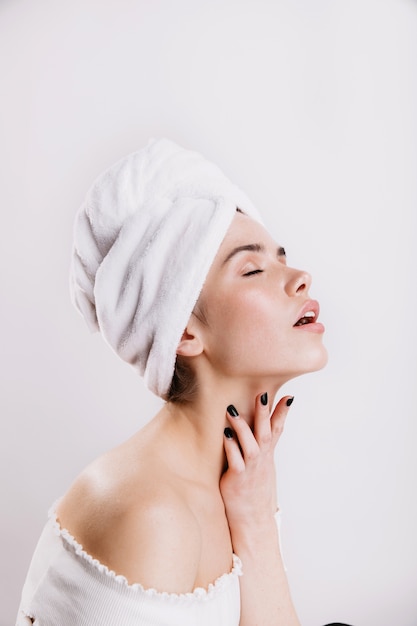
<point x="144" y="240"/>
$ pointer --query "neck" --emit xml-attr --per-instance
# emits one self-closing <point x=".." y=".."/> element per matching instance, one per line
<point x="197" y="428"/>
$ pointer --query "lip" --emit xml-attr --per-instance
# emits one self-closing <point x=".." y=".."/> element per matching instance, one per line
<point x="313" y="327"/>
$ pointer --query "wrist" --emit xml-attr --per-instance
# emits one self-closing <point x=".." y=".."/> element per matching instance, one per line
<point x="254" y="530"/>
<point x="252" y="519"/>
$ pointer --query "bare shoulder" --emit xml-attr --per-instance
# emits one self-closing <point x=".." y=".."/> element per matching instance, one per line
<point x="134" y="518"/>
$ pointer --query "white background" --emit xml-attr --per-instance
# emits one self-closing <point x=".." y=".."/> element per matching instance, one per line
<point x="310" y="106"/>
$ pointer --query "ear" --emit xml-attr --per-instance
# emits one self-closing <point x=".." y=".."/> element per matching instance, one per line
<point x="190" y="343"/>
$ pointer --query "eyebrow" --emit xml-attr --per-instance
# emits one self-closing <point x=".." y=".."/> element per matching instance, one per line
<point x="252" y="247"/>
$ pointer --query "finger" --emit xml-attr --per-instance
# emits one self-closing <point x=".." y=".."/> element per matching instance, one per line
<point x="262" y="420"/>
<point x="234" y="456"/>
<point x="243" y="433"/>
<point x="279" y="416"/>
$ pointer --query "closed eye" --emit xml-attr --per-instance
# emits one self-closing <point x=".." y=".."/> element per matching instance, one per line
<point x="252" y="272"/>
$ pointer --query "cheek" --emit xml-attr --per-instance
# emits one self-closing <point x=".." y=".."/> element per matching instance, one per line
<point x="245" y="328"/>
<point x="240" y="315"/>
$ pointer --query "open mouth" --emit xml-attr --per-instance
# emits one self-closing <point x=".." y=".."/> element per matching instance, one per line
<point x="308" y="318"/>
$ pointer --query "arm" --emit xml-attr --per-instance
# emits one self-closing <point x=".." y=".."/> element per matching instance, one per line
<point x="249" y="493"/>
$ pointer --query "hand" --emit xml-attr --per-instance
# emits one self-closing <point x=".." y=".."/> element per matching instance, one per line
<point x="248" y="486"/>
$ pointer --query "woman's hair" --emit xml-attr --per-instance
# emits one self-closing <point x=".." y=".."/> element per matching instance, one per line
<point x="183" y="384"/>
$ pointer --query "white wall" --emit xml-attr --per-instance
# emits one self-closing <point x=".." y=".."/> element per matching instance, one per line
<point x="310" y="107"/>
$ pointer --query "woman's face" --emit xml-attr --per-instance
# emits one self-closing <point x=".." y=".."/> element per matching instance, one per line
<point x="261" y="321"/>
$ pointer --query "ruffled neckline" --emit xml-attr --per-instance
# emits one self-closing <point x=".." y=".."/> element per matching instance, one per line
<point x="219" y="585"/>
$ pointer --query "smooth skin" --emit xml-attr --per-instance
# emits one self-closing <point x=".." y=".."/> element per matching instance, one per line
<point x="168" y="508"/>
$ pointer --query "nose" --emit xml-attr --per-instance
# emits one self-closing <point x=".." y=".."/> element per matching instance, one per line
<point x="298" y="282"/>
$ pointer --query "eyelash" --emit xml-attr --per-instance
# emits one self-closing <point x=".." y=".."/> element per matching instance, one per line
<point x="251" y="273"/>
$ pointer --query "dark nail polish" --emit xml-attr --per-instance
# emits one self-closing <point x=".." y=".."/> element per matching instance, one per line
<point x="264" y="399"/>
<point x="290" y="401"/>
<point x="232" y="411"/>
<point x="228" y="433"/>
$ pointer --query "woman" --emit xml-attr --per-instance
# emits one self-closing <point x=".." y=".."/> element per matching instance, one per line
<point x="177" y="526"/>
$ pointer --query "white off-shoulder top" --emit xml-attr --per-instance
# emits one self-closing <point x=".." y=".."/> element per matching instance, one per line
<point x="65" y="586"/>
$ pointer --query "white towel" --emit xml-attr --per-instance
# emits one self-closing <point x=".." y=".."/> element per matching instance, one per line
<point x="144" y="241"/>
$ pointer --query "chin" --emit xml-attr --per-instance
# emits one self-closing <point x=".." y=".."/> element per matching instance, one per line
<point x="312" y="363"/>
<point x="316" y="361"/>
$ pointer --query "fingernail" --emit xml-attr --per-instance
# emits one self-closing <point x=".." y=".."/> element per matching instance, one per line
<point x="264" y="398"/>
<point x="228" y="433"/>
<point x="232" y="411"/>
<point x="290" y="401"/>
